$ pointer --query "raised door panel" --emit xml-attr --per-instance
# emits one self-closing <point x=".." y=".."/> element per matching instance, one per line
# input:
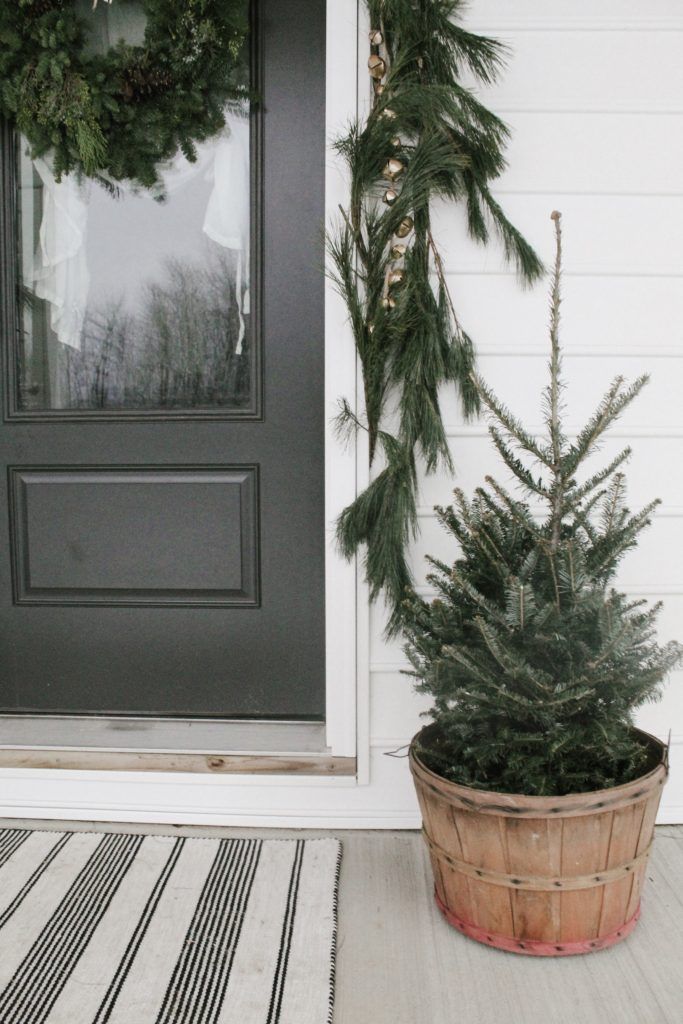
<point x="135" y="536"/>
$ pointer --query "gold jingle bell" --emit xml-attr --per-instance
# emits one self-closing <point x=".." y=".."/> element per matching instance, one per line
<point x="376" y="66"/>
<point x="396" y="143"/>
<point x="405" y="227"/>
<point x="378" y="87"/>
<point x="396" y="278"/>
<point x="398" y="251"/>
<point x="376" y="37"/>
<point x="388" y="113"/>
<point x="390" y="196"/>
<point x="393" y="168"/>
<point x="388" y="302"/>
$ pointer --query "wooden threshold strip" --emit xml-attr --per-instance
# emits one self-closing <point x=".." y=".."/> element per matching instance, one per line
<point x="146" y="761"/>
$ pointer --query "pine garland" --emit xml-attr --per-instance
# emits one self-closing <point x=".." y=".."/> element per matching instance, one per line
<point x="426" y="137"/>
<point x="116" y="116"/>
<point x="534" y="661"/>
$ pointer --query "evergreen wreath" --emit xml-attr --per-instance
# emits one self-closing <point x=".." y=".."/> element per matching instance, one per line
<point x="426" y="137"/>
<point x="117" y="115"/>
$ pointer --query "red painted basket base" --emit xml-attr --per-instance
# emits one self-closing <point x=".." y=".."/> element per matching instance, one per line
<point x="532" y="947"/>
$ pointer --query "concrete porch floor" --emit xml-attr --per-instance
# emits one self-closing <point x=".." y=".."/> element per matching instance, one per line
<point x="400" y="963"/>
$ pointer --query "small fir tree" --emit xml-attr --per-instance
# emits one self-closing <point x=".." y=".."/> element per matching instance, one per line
<point x="534" y="661"/>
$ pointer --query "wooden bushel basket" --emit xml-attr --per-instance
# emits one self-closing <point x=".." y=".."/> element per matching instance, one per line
<point x="545" y="876"/>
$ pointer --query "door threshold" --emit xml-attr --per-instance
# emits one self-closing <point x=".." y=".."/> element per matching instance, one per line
<point x="128" y="743"/>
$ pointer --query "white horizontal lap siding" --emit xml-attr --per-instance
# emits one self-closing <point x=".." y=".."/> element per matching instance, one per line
<point x="594" y="97"/>
<point x="588" y="70"/>
<point x="606" y="235"/>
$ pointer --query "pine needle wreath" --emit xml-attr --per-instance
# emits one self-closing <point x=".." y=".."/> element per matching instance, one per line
<point x="426" y="137"/>
<point x="117" y="115"/>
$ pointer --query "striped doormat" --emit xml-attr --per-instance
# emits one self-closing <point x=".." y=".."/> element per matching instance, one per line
<point x="134" y="929"/>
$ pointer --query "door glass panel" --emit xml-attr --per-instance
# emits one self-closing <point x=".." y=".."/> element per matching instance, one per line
<point x="132" y="300"/>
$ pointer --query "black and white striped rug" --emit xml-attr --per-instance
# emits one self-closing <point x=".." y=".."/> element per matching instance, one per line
<point x="132" y="929"/>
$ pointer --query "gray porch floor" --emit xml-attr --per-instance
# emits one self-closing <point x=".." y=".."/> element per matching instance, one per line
<point x="399" y="963"/>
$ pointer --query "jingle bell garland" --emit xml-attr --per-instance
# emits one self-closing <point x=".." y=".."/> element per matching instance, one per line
<point x="118" y="115"/>
<point x="408" y="337"/>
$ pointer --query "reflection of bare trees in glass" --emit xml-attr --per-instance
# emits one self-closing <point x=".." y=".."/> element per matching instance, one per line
<point x="177" y="352"/>
<point x="94" y="378"/>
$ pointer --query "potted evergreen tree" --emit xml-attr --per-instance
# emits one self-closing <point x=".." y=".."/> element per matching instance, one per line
<point x="538" y="794"/>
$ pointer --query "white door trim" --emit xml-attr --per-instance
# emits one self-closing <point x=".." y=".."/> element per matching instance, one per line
<point x="346" y="665"/>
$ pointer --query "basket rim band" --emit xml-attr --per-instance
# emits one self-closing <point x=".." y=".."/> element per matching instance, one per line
<point x="539" y="883"/>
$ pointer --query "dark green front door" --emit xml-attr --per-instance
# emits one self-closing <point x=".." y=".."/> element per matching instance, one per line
<point x="162" y="543"/>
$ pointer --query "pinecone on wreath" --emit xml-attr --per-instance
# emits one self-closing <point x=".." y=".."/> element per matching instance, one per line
<point x="141" y="80"/>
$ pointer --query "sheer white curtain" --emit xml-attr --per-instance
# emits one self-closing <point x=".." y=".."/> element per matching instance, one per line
<point x="61" y="274"/>
<point x="60" y="269"/>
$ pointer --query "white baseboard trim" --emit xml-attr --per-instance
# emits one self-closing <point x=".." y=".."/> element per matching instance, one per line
<point x="399" y="819"/>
